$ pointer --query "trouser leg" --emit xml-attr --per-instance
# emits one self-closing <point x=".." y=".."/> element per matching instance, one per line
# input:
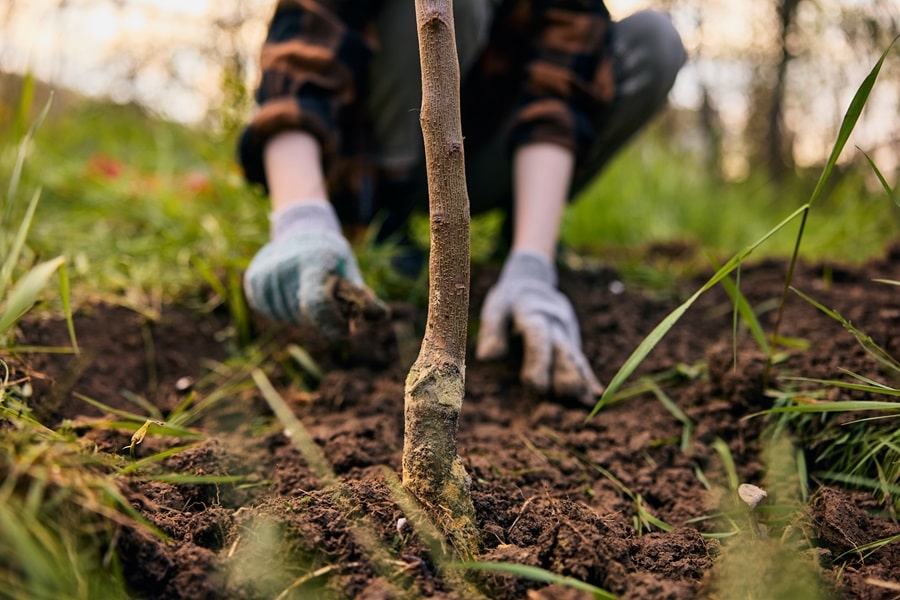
<point x="648" y="55"/>
<point x="396" y="81"/>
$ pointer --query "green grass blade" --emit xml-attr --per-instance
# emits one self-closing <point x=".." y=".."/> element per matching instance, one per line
<point x="165" y="429"/>
<point x="26" y="99"/>
<point x="884" y="184"/>
<point x="687" y="425"/>
<point x="65" y="294"/>
<point x="872" y="547"/>
<point x="11" y="258"/>
<point x="868" y="344"/>
<point x="139" y="419"/>
<point x="868" y="380"/>
<point x="536" y="574"/>
<point x="156" y="458"/>
<point x="655" y="336"/>
<point x="728" y="462"/>
<point x="859" y="481"/>
<point x="32" y="556"/>
<point x="745" y="311"/>
<point x="849" y="121"/>
<point x="867" y="385"/>
<point x="240" y="312"/>
<point x="802" y="475"/>
<point x="13" y="187"/>
<point x="295" y="429"/>
<point x="847" y="125"/>
<point x="188" y="479"/>
<point x="40" y="118"/>
<point x="305" y="360"/>
<point x="26" y="291"/>
<point x="836" y="406"/>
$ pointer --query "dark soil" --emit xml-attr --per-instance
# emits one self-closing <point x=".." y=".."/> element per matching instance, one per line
<point x="543" y="484"/>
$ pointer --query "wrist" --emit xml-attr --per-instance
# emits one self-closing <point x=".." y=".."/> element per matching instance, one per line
<point x="301" y="216"/>
<point x="530" y="265"/>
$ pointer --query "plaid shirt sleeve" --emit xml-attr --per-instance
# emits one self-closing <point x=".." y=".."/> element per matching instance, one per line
<point x="312" y="63"/>
<point x="568" y="78"/>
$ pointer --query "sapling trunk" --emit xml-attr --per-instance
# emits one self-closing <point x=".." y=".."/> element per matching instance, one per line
<point x="432" y="470"/>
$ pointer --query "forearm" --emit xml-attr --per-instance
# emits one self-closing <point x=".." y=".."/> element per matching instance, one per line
<point x="293" y="164"/>
<point x="542" y="174"/>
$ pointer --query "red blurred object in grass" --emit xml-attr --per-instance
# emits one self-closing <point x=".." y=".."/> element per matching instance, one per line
<point x="105" y="166"/>
<point x="197" y="181"/>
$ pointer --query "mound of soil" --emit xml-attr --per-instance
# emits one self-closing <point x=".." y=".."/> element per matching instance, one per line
<point x="551" y="488"/>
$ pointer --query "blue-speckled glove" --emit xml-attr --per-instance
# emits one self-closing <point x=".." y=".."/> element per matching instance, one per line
<point x="288" y="278"/>
<point x="525" y="301"/>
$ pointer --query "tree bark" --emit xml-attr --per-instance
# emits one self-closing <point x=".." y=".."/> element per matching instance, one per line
<point x="432" y="470"/>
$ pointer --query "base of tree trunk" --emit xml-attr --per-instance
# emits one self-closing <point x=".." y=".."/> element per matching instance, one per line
<point x="432" y="470"/>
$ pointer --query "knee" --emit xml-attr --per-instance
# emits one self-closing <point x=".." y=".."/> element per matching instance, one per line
<point x="652" y="36"/>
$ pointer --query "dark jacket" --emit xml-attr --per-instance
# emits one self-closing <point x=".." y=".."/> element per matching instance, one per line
<point x="546" y="74"/>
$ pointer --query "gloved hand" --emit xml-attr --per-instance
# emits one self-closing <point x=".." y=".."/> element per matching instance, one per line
<point x="525" y="297"/>
<point x="288" y="278"/>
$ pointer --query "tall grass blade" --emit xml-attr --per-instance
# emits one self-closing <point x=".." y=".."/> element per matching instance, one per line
<point x="16" y="176"/>
<point x="884" y="184"/>
<point x="802" y="474"/>
<point x="745" y="311"/>
<point x="847" y="125"/>
<point x="859" y="481"/>
<point x="305" y="360"/>
<point x="11" y="258"/>
<point x="868" y="380"/>
<point x="687" y="425"/>
<point x="537" y="574"/>
<point x="188" y="479"/>
<point x="872" y="547"/>
<point x="156" y="458"/>
<point x="65" y="294"/>
<point x="724" y="453"/>
<point x="295" y="430"/>
<point x="868" y="344"/>
<point x="836" y="406"/>
<point x="114" y="411"/>
<point x="655" y="336"/>
<point x="26" y="99"/>
<point x="867" y="385"/>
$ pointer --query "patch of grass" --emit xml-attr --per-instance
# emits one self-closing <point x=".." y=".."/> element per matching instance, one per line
<point x="856" y="441"/>
<point x="59" y="507"/>
<point x="674" y="199"/>
<point x="134" y="203"/>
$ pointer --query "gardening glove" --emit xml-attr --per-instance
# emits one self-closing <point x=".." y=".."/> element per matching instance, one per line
<point x="525" y="297"/>
<point x="291" y="277"/>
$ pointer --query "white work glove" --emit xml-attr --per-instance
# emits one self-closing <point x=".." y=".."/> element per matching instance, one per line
<point x="288" y="279"/>
<point x="525" y="301"/>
